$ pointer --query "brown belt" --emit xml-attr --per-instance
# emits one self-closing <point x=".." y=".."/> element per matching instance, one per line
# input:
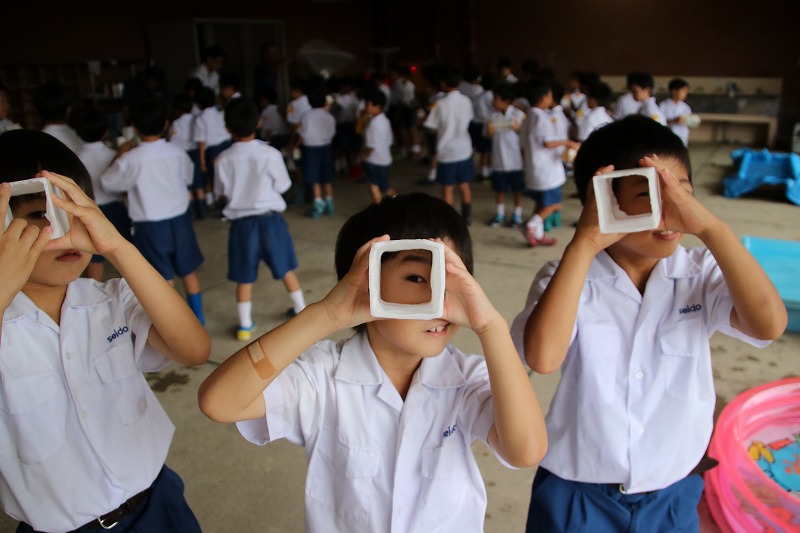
<point x="111" y="519"/>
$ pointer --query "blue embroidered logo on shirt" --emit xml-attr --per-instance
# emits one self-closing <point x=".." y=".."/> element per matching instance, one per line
<point x="689" y="309"/>
<point x="120" y="331"/>
<point x="449" y="431"/>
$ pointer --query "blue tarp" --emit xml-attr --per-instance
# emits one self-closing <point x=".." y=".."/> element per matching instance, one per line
<point x="756" y="168"/>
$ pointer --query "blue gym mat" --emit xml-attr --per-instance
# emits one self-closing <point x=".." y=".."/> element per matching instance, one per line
<point x="756" y="168"/>
<point x="781" y="261"/>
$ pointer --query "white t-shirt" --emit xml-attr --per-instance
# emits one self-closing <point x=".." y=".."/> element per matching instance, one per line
<point x="272" y="122"/>
<point x="97" y="157"/>
<point x="181" y="132"/>
<point x="506" y="152"/>
<point x="375" y="461"/>
<point x="65" y="134"/>
<point x="484" y="107"/>
<point x="450" y="117"/>
<point x="209" y="127"/>
<point x="543" y="167"/>
<point x="590" y="120"/>
<point x="635" y="403"/>
<point x="252" y="176"/>
<point x="673" y="110"/>
<point x="650" y="109"/>
<point x="296" y="109"/>
<point x="626" y="105"/>
<point x="347" y="107"/>
<point x="81" y="430"/>
<point x="378" y="136"/>
<point x="317" y="127"/>
<point x="209" y="79"/>
<point x="155" y="175"/>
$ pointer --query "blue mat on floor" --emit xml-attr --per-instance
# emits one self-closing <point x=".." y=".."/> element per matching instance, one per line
<point x="757" y="168"/>
<point x="780" y="259"/>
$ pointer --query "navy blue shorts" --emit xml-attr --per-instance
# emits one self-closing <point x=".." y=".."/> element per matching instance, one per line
<point x="558" y="505"/>
<point x="545" y="198"/>
<point x="408" y="116"/>
<point x="198" y="181"/>
<point x="480" y="143"/>
<point x="165" y="510"/>
<point x="377" y="175"/>
<point x="279" y="141"/>
<point x="317" y="164"/>
<point x="513" y="180"/>
<point x="456" y="172"/>
<point x="169" y="245"/>
<point x="259" y="238"/>
<point x="117" y="214"/>
<point x="345" y="139"/>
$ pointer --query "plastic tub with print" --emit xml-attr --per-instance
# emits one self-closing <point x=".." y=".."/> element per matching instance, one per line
<point x="57" y="217"/>
<point x="628" y="200"/>
<point x="407" y="279"/>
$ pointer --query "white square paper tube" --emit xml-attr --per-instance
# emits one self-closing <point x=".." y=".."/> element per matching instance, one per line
<point x="380" y="308"/>
<point x="611" y="218"/>
<point x="57" y="217"/>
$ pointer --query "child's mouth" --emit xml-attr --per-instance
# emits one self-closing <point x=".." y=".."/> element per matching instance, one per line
<point x="666" y="234"/>
<point x="69" y="256"/>
<point x="441" y="328"/>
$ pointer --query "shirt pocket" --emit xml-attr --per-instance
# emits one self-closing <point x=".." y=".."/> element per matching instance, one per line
<point x="124" y="384"/>
<point x="341" y="477"/>
<point x="687" y="374"/>
<point x="444" y="481"/>
<point x="600" y="351"/>
<point x="34" y="412"/>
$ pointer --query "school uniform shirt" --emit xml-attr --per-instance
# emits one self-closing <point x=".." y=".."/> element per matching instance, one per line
<point x="574" y="101"/>
<point x="378" y="136"/>
<point x="155" y="175"/>
<point x="635" y="403"/>
<point x="407" y="93"/>
<point x="296" y="109"/>
<point x="209" y="127"/>
<point x="387" y="92"/>
<point x="272" y="121"/>
<point x="506" y="152"/>
<point x="65" y="134"/>
<point x="181" y="132"/>
<point x="560" y="122"/>
<point x="97" y="157"/>
<point x="450" y="117"/>
<point x="473" y="91"/>
<point x="348" y="107"/>
<point x="208" y="78"/>
<point x="484" y="107"/>
<point x="252" y="176"/>
<point x="317" y="127"/>
<point x="650" y="109"/>
<point x="626" y="105"/>
<point x="673" y="110"/>
<point x="543" y="167"/>
<point x="375" y="461"/>
<point x="81" y="430"/>
<point x="591" y="120"/>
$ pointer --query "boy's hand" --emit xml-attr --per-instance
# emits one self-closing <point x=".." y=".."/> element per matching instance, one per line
<point x="680" y="210"/>
<point x="588" y="229"/>
<point x="89" y="230"/>
<point x="348" y="302"/>
<point x="465" y="302"/>
<point x="20" y="246"/>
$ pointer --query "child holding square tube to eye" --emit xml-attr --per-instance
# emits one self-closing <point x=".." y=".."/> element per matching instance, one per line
<point x="388" y="416"/>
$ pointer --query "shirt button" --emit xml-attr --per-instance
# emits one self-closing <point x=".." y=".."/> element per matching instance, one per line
<point x="641" y="429"/>
<point x="639" y="375"/>
<point x="84" y="414"/>
<point x="69" y="355"/>
<point x="398" y="511"/>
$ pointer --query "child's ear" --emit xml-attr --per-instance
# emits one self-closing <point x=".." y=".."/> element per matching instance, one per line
<point x="258" y="124"/>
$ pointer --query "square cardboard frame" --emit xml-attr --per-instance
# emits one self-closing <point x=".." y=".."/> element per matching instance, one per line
<point x="57" y="217"/>
<point x="434" y="308"/>
<point x="611" y="218"/>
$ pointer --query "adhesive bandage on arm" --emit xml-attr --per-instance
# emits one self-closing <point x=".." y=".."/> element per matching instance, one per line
<point x="260" y="361"/>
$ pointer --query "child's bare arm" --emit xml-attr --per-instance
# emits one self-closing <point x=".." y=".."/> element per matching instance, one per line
<point x="175" y="331"/>
<point x="518" y="434"/>
<point x="233" y="392"/>
<point x="757" y="307"/>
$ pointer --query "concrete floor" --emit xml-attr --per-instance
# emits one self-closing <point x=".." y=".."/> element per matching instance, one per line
<point x="235" y="486"/>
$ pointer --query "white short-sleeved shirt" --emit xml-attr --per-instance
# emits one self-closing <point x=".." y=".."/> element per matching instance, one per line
<point x="590" y="120"/>
<point x="317" y="127"/>
<point x="635" y="404"/>
<point x="561" y="122"/>
<point x="506" y="152"/>
<point x="155" y="175"/>
<point x="348" y="107"/>
<point x="376" y="462"/>
<point x="387" y="92"/>
<point x="450" y="117"/>
<point x="484" y="107"/>
<point x="673" y="110"/>
<point x="97" y="157"/>
<point x="378" y="136"/>
<point x="650" y="109"/>
<point x="543" y="167"/>
<point x="574" y="101"/>
<point x="407" y="92"/>
<point x="65" y="134"/>
<point x="626" y="105"/>
<point x="209" y="79"/>
<point x="81" y="430"/>
<point x="252" y="175"/>
<point x="473" y="91"/>
<point x="181" y="132"/>
<point x="209" y="127"/>
<point x="272" y="121"/>
<point x="296" y="109"/>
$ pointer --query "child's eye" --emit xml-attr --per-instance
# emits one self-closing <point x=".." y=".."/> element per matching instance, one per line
<point x="415" y="278"/>
<point x="644" y="194"/>
<point x="36" y="215"/>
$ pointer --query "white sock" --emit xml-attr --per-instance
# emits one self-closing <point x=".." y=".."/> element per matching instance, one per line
<point x="298" y="302"/>
<point x="415" y="149"/>
<point x="209" y="198"/>
<point x="486" y="171"/>
<point x="536" y="224"/>
<point x="245" y="318"/>
<point x="518" y="211"/>
<point x="432" y="175"/>
<point x="501" y="210"/>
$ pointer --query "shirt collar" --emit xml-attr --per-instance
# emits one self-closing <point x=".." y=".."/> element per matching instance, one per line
<point x="81" y="293"/>
<point x="359" y="366"/>
<point x="678" y="265"/>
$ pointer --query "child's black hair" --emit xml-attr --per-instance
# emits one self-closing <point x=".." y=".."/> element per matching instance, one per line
<point x="205" y="97"/>
<point x="51" y="101"/>
<point x="644" y="80"/>
<point x="24" y="153"/>
<point x="298" y="84"/>
<point x="91" y="124"/>
<point x="600" y="91"/>
<point x="241" y="117"/>
<point x="192" y="86"/>
<point x="677" y="83"/>
<point x="558" y="92"/>
<point x="451" y="77"/>
<point x="376" y="97"/>
<point x="472" y="74"/>
<point x="623" y="144"/>
<point x="587" y="77"/>
<point x="269" y="94"/>
<point x="488" y="81"/>
<point x="530" y="67"/>
<point x="504" y="62"/>
<point x="537" y="89"/>
<point x="630" y="79"/>
<point x="181" y="104"/>
<point x="504" y="91"/>
<point x="149" y="115"/>
<point x="229" y="79"/>
<point x="213" y="51"/>
<point x="316" y="98"/>
<point x="405" y="216"/>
